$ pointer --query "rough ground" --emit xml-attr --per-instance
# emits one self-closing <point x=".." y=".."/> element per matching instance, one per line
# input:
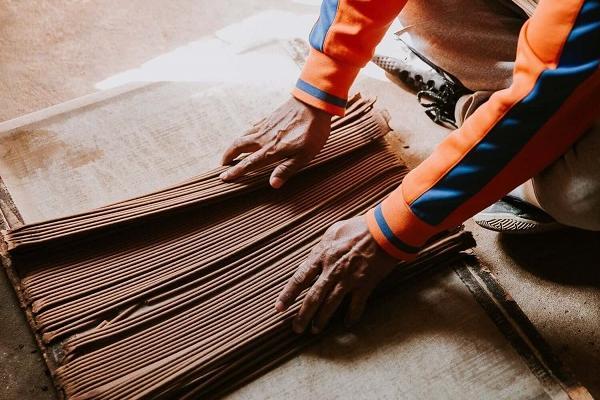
<point x="53" y="51"/>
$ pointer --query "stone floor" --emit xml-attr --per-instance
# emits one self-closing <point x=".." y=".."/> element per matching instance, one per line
<point x="53" y="51"/>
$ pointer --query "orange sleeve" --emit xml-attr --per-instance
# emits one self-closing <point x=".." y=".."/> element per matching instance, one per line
<point x="342" y="42"/>
<point x="554" y="99"/>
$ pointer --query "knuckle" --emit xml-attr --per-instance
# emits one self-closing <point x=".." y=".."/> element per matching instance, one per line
<point x="285" y="297"/>
<point x="271" y="151"/>
<point x="298" y="278"/>
<point x="335" y="273"/>
<point x="326" y="281"/>
<point x="248" y="161"/>
<point x="336" y="226"/>
<point x="282" y="170"/>
<point x="310" y="301"/>
<point x="312" y="296"/>
<point x="238" y="142"/>
<point x="252" y="158"/>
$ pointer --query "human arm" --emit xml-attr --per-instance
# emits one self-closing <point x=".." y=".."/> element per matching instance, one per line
<point x="553" y="100"/>
<point x="343" y="41"/>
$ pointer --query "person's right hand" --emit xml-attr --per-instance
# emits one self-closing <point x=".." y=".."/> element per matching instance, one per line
<point x="295" y="133"/>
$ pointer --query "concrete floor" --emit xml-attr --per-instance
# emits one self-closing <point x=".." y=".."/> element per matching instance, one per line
<point x="53" y="51"/>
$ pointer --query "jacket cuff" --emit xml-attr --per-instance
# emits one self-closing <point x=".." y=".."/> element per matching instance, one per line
<point x="324" y="83"/>
<point x="396" y="229"/>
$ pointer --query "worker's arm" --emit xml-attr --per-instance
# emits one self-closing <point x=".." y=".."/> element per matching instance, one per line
<point x="554" y="99"/>
<point x="342" y="40"/>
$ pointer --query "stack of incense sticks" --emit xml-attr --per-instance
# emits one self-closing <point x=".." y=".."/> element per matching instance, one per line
<point x="171" y="294"/>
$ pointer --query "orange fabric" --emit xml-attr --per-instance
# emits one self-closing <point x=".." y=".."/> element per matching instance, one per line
<point x="554" y="139"/>
<point x="528" y="67"/>
<point x="329" y="75"/>
<point x="348" y="45"/>
<point x="539" y="49"/>
<point x="356" y="30"/>
<point x="382" y="241"/>
<point x="401" y="219"/>
<point x="358" y="27"/>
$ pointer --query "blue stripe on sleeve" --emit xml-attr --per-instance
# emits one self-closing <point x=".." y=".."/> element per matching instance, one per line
<point x="387" y="232"/>
<point x="321" y="27"/>
<point x="319" y="94"/>
<point x="579" y="60"/>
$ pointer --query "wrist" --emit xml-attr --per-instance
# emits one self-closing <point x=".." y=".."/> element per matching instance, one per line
<point x="385" y="239"/>
<point x="324" y="82"/>
<point x="318" y="112"/>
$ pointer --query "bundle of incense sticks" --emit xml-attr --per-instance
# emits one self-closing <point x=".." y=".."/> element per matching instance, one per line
<point x="171" y="295"/>
<point x="358" y="127"/>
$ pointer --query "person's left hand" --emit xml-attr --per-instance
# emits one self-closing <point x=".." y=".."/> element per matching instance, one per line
<point x="347" y="261"/>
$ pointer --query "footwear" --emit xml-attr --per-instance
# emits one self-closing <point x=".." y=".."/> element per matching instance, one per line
<point x="437" y="91"/>
<point x="512" y="215"/>
<point x="410" y="72"/>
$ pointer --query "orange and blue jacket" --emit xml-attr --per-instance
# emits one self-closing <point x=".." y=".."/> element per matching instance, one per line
<point x="553" y="100"/>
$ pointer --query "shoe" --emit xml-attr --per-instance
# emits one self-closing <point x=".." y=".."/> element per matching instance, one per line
<point x="437" y="91"/>
<point x="512" y="215"/>
<point x="410" y="72"/>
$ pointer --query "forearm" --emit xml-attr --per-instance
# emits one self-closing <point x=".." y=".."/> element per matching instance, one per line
<point x="342" y="42"/>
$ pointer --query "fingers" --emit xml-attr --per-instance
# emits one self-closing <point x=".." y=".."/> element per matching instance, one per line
<point x="244" y="144"/>
<point x="301" y="279"/>
<point x="285" y="170"/>
<point x="357" y="305"/>
<point x="255" y="160"/>
<point x="313" y="299"/>
<point x="328" y="308"/>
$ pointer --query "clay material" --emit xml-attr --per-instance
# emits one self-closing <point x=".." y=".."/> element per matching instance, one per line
<point x="171" y="294"/>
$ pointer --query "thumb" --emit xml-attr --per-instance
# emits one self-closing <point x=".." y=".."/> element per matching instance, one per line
<point x="285" y="170"/>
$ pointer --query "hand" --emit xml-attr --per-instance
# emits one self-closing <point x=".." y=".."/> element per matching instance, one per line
<point x="295" y="132"/>
<point x="348" y="261"/>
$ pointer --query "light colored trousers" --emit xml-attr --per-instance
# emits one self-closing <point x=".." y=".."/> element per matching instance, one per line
<point x="476" y="41"/>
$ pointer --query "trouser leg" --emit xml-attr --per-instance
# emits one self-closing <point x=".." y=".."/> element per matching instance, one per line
<point x="474" y="40"/>
<point x="569" y="189"/>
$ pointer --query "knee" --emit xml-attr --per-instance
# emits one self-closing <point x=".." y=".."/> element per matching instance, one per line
<point x="569" y="190"/>
<point x="571" y="206"/>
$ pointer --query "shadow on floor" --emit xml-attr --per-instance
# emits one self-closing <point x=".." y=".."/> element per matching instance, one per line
<point x="561" y="294"/>
<point x="432" y="307"/>
<point x="544" y="255"/>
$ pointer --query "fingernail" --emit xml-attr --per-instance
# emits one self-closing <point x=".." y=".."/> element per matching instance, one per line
<point x="276" y="183"/>
<point x="279" y="306"/>
<point x="223" y="176"/>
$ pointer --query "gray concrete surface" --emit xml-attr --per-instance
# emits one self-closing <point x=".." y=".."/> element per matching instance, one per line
<point x="53" y="51"/>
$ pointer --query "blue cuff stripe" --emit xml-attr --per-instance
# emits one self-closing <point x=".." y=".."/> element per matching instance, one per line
<point x="321" y="27"/>
<point x="387" y="232"/>
<point x="319" y="94"/>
